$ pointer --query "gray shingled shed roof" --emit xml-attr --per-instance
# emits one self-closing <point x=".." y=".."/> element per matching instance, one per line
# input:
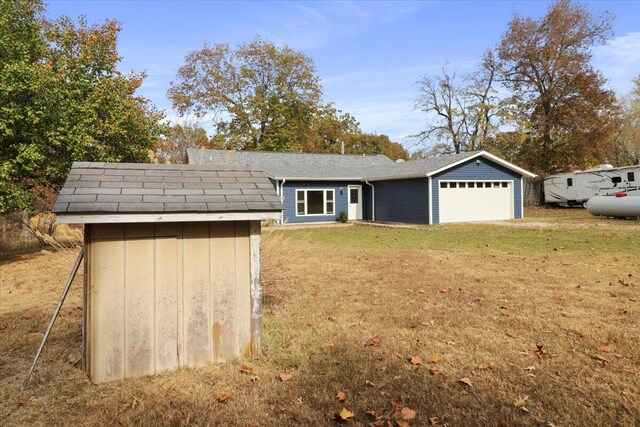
<point x="294" y="165"/>
<point x="151" y="188"/>
<point x="324" y="166"/>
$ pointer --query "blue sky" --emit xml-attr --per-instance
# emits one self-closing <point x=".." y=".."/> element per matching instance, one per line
<point x="368" y="54"/>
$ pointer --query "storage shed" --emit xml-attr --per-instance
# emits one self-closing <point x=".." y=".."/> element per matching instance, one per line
<point x="172" y="263"/>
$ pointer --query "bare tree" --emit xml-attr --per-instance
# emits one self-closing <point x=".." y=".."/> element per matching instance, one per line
<point x="461" y="112"/>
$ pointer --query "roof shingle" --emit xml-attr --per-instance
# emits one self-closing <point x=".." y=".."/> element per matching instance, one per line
<point x="142" y="188"/>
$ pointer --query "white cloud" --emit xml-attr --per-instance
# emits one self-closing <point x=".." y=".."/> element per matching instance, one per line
<point x="619" y="60"/>
<point x="314" y="25"/>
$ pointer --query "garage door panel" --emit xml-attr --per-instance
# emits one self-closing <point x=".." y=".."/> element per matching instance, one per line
<point x="479" y="203"/>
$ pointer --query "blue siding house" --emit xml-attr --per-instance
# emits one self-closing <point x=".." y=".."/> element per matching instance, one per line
<point x="472" y="186"/>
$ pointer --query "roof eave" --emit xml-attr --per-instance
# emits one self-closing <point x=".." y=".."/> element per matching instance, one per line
<point x="489" y="156"/>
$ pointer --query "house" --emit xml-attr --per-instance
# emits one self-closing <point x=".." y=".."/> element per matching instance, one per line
<point x="172" y="263"/>
<point x="471" y="186"/>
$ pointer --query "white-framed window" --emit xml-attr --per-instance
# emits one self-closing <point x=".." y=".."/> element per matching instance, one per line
<point x="315" y="202"/>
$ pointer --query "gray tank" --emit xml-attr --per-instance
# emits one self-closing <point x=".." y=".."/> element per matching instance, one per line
<point x="627" y="206"/>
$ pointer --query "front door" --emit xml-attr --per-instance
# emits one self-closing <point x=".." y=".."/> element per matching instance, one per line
<point x="355" y="202"/>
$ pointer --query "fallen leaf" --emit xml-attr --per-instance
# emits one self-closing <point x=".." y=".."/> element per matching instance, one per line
<point x="485" y="366"/>
<point x="520" y="401"/>
<point x="345" y="414"/>
<point x="605" y="348"/>
<point x="373" y="341"/>
<point x="223" y="398"/>
<point x="20" y="401"/>
<point x="529" y="368"/>
<point x="523" y="409"/>
<point x="403" y="416"/>
<point x="434" y="371"/>
<point x="436" y="359"/>
<point x="341" y="396"/>
<point x="415" y="360"/>
<point x="399" y="355"/>
<point x="284" y="377"/>
<point x="247" y="370"/>
<point x="511" y="333"/>
<point x="600" y="358"/>
<point x="466" y="381"/>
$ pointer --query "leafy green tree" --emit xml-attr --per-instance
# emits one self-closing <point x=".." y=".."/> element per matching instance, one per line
<point x="63" y="99"/>
<point x="263" y="96"/>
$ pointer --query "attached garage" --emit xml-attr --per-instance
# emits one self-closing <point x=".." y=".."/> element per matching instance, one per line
<point x="172" y="263"/>
<point x="464" y="201"/>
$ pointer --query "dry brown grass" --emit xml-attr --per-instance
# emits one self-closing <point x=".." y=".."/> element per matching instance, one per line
<point x="482" y="297"/>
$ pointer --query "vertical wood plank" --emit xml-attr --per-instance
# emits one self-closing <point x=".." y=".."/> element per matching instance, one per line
<point x="195" y="288"/>
<point x="139" y="301"/>
<point x="166" y="296"/>
<point x="243" y="289"/>
<point x="223" y="281"/>
<point x="86" y="347"/>
<point x="107" y="295"/>
<point x="256" y="291"/>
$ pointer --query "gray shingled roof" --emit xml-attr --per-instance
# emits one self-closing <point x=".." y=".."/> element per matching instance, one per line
<point x="328" y="166"/>
<point x="417" y="167"/>
<point x="294" y="165"/>
<point x="151" y="188"/>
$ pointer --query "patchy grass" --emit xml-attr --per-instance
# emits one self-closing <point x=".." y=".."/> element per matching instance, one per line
<point x="523" y="313"/>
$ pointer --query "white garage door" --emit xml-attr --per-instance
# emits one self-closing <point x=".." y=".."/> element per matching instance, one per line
<point x="462" y="201"/>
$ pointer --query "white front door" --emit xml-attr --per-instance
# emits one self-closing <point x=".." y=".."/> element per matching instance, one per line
<point x="355" y="202"/>
<point x="462" y="201"/>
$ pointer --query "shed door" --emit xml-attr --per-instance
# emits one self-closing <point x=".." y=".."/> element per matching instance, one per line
<point x="463" y="201"/>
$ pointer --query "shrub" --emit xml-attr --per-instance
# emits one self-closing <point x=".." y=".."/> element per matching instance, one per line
<point x="343" y="217"/>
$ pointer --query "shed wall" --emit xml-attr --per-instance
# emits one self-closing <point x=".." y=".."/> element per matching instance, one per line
<point x="166" y="295"/>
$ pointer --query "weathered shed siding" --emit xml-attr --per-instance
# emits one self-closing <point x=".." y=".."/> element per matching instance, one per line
<point x="402" y="200"/>
<point x="341" y="202"/>
<point x="166" y="295"/>
<point x="470" y="170"/>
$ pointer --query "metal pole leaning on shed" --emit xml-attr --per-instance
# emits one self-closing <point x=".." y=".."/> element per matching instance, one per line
<point x="55" y="315"/>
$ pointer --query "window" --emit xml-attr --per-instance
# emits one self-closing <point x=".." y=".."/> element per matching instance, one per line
<point x="315" y="202"/>
<point x="487" y="185"/>
<point x="569" y="182"/>
<point x="616" y="179"/>
<point x="353" y="195"/>
<point x="505" y="184"/>
<point x="300" y="203"/>
<point x="631" y="176"/>
<point x="443" y="185"/>
<point x="329" y="203"/>
<point x="472" y="184"/>
<point x="453" y="185"/>
<point x="463" y="185"/>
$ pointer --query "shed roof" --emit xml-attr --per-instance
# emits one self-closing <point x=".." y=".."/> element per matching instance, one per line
<point x="294" y="165"/>
<point x="126" y="188"/>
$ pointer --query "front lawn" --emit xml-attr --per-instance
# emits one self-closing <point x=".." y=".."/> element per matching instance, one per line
<point x="542" y="324"/>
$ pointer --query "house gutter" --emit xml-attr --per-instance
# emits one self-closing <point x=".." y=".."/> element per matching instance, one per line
<point x="373" y="200"/>
<point x="282" y="200"/>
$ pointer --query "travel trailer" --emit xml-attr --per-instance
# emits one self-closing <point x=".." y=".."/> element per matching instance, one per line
<point x="575" y="188"/>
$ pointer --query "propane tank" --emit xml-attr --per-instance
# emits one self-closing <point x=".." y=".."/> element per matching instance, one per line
<point x="621" y="205"/>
